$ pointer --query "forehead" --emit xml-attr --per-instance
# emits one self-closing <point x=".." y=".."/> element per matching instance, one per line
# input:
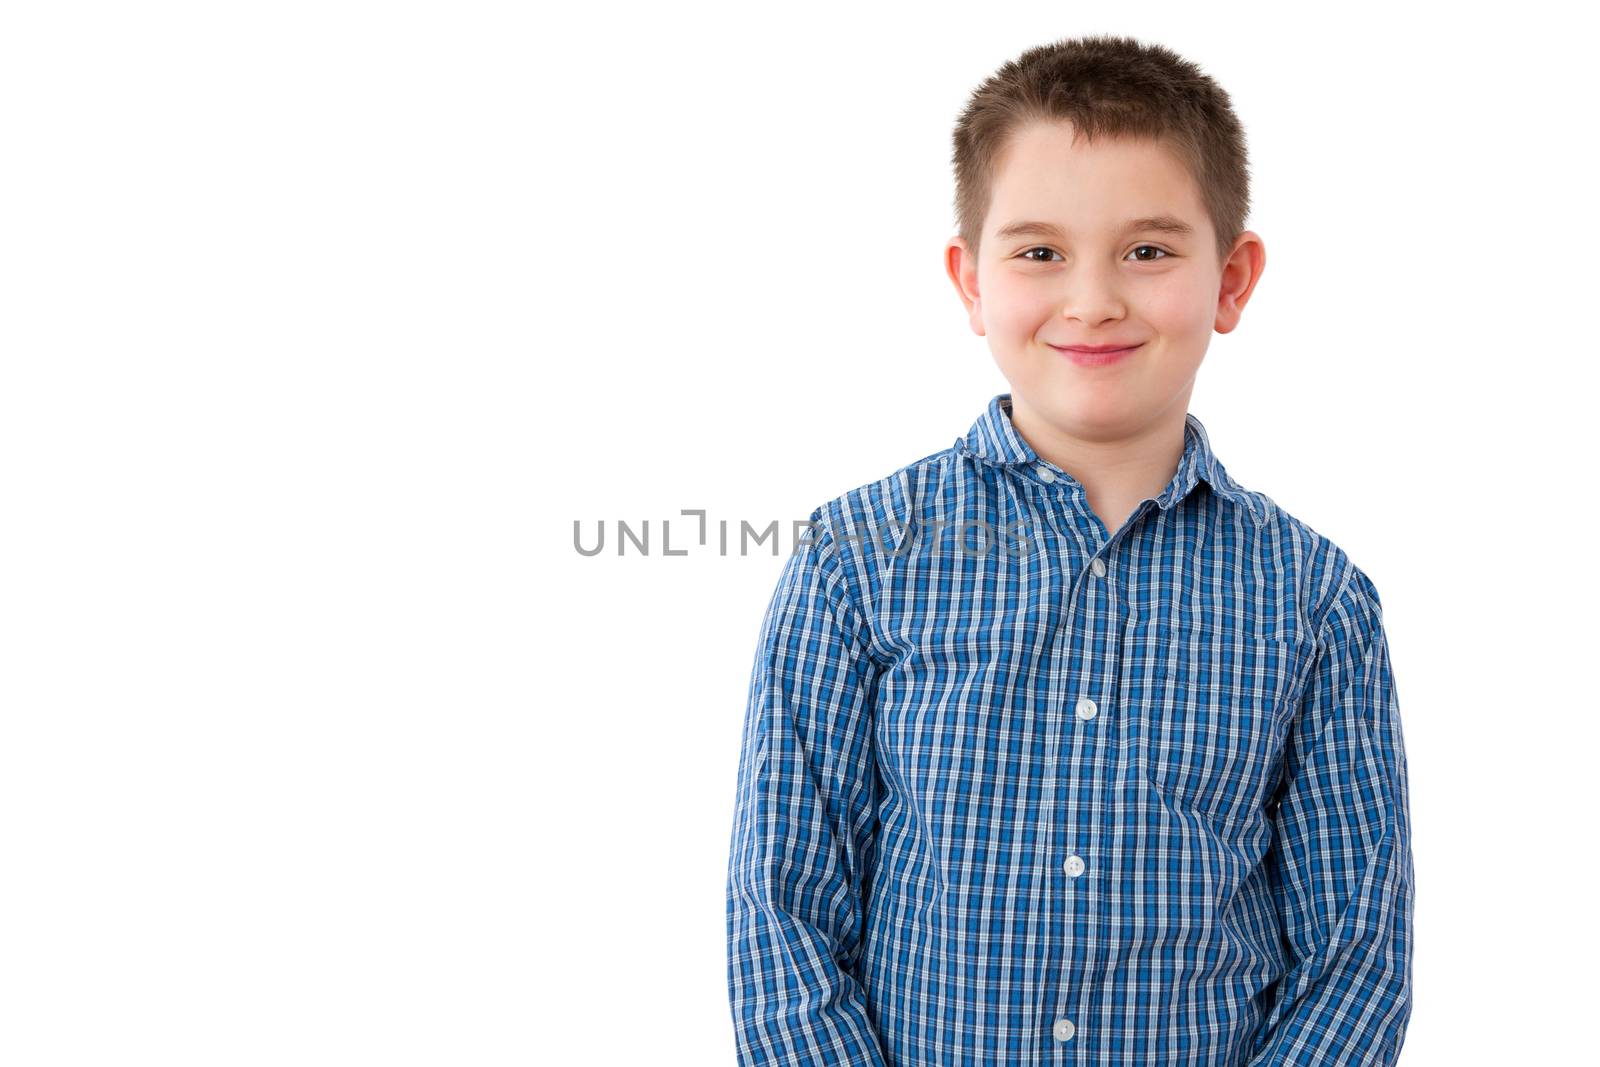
<point x="1086" y="187"/>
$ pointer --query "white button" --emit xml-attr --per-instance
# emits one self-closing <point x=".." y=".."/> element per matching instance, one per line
<point x="1074" y="865"/>
<point x="1063" y="1029"/>
<point x="1046" y="474"/>
<point x="1086" y="708"/>
<point x="1099" y="567"/>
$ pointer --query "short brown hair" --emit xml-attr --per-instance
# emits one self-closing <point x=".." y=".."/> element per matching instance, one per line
<point x="1115" y="87"/>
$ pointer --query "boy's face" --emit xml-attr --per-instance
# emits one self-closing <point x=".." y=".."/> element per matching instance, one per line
<point x="1097" y="282"/>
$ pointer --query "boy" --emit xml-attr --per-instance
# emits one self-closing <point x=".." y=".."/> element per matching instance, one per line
<point x="1062" y="746"/>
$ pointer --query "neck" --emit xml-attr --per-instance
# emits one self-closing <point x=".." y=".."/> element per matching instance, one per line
<point x="1117" y="470"/>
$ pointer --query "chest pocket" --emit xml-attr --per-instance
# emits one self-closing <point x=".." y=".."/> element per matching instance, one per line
<point x="1209" y="701"/>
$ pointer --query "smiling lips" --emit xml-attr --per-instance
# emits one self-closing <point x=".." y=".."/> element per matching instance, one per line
<point x="1095" y="355"/>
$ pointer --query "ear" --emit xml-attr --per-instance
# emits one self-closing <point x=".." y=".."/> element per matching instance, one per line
<point x="961" y="263"/>
<point x="1240" y="272"/>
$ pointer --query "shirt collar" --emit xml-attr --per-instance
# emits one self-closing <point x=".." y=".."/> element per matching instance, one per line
<point x="994" y="439"/>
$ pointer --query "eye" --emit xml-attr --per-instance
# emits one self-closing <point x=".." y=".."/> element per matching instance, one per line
<point x="1028" y="254"/>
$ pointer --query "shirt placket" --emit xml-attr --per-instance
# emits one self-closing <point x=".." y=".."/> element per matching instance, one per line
<point x="1085" y="656"/>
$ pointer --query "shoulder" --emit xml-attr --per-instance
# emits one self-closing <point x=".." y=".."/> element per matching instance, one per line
<point x="875" y="509"/>
<point x="1328" y="578"/>
<point x="856" y="531"/>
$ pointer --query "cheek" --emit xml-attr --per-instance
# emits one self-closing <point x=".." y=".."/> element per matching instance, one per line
<point x="1178" y="309"/>
<point x="1015" y="309"/>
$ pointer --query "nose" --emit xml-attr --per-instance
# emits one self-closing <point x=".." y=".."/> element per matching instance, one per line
<point x="1091" y="295"/>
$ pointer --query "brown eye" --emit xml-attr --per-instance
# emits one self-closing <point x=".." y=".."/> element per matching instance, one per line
<point x="1029" y="254"/>
<point x="1153" y="248"/>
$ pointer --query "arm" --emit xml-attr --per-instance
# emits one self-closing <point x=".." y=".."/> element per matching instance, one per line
<point x="804" y="825"/>
<point x="1340" y="865"/>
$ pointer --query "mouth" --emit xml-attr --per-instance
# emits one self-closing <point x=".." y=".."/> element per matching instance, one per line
<point x="1096" y="355"/>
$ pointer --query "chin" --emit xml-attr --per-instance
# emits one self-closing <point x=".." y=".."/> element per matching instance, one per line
<point x="1065" y="401"/>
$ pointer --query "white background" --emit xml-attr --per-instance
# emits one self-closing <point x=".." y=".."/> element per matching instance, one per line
<point x="323" y="322"/>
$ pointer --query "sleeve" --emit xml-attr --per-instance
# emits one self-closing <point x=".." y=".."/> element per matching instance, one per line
<point x="1340" y="864"/>
<point x="804" y="827"/>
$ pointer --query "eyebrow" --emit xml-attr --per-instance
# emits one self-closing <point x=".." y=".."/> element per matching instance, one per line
<point x="1160" y="223"/>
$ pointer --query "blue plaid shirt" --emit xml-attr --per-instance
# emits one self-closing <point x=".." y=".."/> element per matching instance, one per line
<point x="1016" y="791"/>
